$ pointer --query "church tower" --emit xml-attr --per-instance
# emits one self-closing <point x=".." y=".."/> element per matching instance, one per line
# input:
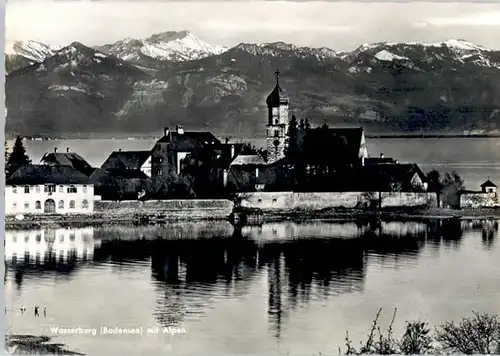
<point x="277" y="122"/>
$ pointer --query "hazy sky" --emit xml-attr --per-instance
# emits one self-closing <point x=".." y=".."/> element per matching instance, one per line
<point x="338" y="25"/>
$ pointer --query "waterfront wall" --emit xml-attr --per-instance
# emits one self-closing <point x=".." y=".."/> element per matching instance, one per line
<point x="286" y="201"/>
<point x="478" y="200"/>
<point x="175" y="209"/>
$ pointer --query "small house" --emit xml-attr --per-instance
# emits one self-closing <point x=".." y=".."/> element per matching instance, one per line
<point x="487" y="197"/>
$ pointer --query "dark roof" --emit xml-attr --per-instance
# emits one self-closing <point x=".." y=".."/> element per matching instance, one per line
<point x="68" y="159"/>
<point x="126" y="160"/>
<point x="102" y="176"/>
<point x="278" y="96"/>
<point x="188" y="141"/>
<point x="379" y="160"/>
<point x="488" y="184"/>
<point x="382" y="176"/>
<point x="330" y="145"/>
<point x="42" y="174"/>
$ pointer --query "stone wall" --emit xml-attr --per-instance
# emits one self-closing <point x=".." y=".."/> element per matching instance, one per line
<point x="323" y="200"/>
<point x="478" y="200"/>
<point x="189" y="209"/>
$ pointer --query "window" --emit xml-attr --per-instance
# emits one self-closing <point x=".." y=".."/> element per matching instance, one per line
<point x="84" y="189"/>
<point x="49" y="188"/>
<point x="72" y="236"/>
<point x="72" y="189"/>
<point x="276" y="133"/>
<point x="14" y="189"/>
<point x="38" y="238"/>
<point x="60" y="205"/>
<point x="26" y="189"/>
<point x="26" y="238"/>
<point x="72" y="204"/>
<point x="37" y="189"/>
<point x="38" y="205"/>
<point x="160" y="172"/>
<point x="26" y="205"/>
<point x="14" y="205"/>
<point x="85" y="204"/>
<point x="61" y="189"/>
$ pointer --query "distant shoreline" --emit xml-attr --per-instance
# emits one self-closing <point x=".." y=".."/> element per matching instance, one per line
<point x="77" y="221"/>
<point x="154" y="137"/>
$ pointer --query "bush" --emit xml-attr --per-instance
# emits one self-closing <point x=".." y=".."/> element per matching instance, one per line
<point x="478" y="334"/>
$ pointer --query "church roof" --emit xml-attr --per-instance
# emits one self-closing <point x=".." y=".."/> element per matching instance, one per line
<point x="278" y="96"/>
<point x="332" y="145"/>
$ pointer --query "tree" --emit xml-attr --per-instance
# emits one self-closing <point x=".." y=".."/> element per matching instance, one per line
<point x="307" y="125"/>
<point x="7" y="153"/>
<point x="449" y="186"/>
<point x="302" y="125"/>
<point x="18" y="156"/>
<point x="454" y="181"/>
<point x="291" y="150"/>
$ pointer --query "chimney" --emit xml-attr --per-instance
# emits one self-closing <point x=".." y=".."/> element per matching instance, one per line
<point x="232" y="151"/>
<point x="67" y="149"/>
<point x="227" y="140"/>
<point x="119" y="150"/>
<point x="381" y="155"/>
<point x="165" y="131"/>
<point x="55" y="149"/>
<point x="180" y="129"/>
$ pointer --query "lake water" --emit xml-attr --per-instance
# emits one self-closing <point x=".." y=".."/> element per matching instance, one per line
<point x="282" y="288"/>
<point x="475" y="159"/>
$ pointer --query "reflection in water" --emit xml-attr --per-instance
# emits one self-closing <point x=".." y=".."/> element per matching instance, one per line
<point x="36" y="252"/>
<point x="193" y="265"/>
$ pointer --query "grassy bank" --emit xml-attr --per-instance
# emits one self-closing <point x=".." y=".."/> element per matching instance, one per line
<point x="34" y="345"/>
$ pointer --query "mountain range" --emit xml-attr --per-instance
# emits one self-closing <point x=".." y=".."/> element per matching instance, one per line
<point x="141" y="85"/>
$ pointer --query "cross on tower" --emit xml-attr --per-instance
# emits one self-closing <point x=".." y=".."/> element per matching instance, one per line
<point x="277" y="76"/>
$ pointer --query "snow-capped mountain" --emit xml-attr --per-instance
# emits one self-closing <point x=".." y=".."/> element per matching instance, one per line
<point x="446" y="86"/>
<point x="32" y="50"/>
<point x="426" y="53"/>
<point x="280" y="49"/>
<point x="173" y="46"/>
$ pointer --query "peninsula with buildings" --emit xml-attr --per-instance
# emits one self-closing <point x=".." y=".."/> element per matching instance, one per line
<point x="302" y="170"/>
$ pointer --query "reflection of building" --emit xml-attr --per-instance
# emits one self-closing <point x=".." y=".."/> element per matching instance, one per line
<point x="48" y="189"/>
<point x="41" y="246"/>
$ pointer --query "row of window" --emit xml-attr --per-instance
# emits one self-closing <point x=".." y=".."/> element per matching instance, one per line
<point x="50" y="189"/>
<point x="60" y="205"/>
<point x="38" y="238"/>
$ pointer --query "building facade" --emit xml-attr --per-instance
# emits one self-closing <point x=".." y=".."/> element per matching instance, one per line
<point x="169" y="151"/>
<point x="48" y="189"/>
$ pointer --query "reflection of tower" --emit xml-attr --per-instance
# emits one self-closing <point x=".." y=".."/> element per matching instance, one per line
<point x="277" y="125"/>
<point x="275" y="308"/>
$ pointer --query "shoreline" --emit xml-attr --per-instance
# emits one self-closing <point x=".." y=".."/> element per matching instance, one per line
<point x="100" y="219"/>
<point x="16" y="344"/>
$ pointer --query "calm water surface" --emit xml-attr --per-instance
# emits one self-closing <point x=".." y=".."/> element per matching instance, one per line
<point x="285" y="287"/>
<point x="473" y="158"/>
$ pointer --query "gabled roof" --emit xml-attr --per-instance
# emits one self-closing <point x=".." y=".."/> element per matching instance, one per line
<point x="126" y="160"/>
<point x="379" y="160"/>
<point x="68" y="159"/>
<point x="188" y="141"/>
<point x="330" y="145"/>
<point x="46" y="174"/>
<point x="488" y="184"/>
<point x="242" y="160"/>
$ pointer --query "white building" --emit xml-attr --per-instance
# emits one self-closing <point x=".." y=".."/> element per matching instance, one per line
<point x="48" y="189"/>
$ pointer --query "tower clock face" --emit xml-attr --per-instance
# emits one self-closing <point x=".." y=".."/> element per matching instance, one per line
<point x="276" y="143"/>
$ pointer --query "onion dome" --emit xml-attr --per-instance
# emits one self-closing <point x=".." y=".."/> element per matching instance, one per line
<point x="278" y="96"/>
